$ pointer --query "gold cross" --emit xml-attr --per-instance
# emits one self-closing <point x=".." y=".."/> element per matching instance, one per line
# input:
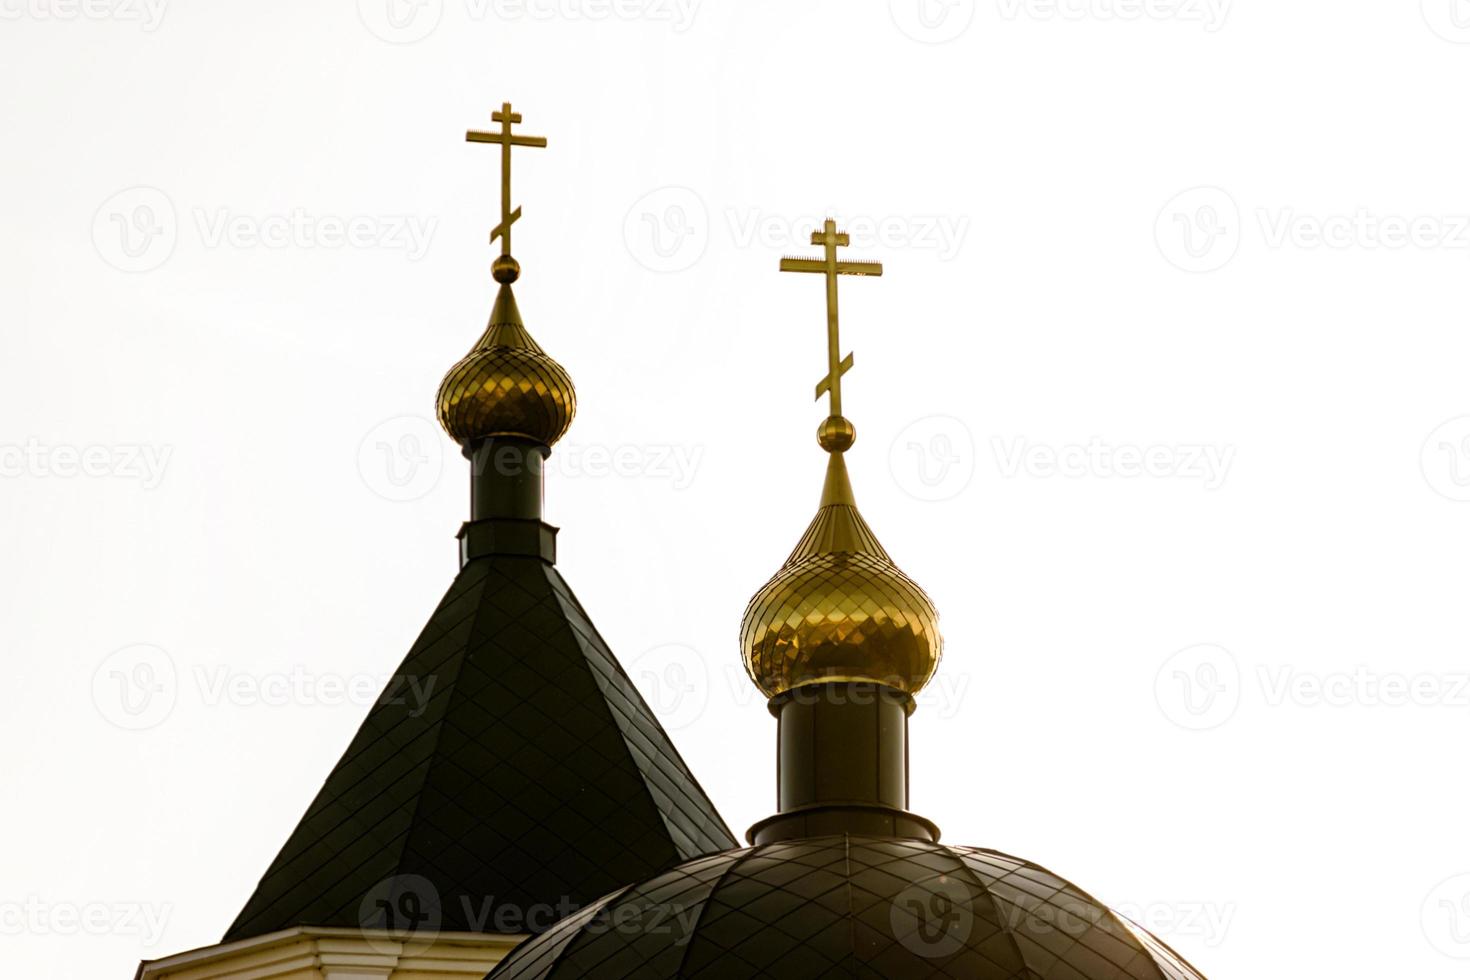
<point x="505" y="117"/>
<point x="831" y="239"/>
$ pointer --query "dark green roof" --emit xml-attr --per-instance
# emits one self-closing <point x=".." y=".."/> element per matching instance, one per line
<point x="533" y="777"/>
<point x="848" y="907"/>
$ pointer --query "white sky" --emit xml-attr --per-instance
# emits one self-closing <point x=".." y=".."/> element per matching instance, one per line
<point x="1026" y="175"/>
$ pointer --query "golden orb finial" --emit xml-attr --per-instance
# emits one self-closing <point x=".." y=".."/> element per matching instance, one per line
<point x="836" y="434"/>
<point x="505" y="270"/>
<point x="839" y="609"/>
<point x="506" y="385"/>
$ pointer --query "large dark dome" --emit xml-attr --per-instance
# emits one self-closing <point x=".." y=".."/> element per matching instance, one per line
<point x="845" y="906"/>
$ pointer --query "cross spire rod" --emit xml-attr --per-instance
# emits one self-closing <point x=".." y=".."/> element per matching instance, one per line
<point x="829" y="266"/>
<point x="506" y="139"/>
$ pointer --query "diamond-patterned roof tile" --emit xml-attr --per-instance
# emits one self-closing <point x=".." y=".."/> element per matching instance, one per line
<point x="533" y="777"/>
<point x="844" y="906"/>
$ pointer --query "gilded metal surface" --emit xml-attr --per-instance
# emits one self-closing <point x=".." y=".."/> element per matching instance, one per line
<point x="506" y="385"/>
<point x="507" y="217"/>
<point x="839" y="609"/>
<point x="831" y="239"/>
<point x="836" y="434"/>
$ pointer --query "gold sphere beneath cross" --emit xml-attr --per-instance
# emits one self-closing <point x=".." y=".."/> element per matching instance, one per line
<point x="836" y="434"/>
<point x="506" y="270"/>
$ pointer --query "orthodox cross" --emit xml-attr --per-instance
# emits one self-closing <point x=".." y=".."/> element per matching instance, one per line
<point x="831" y="239"/>
<point x="506" y="118"/>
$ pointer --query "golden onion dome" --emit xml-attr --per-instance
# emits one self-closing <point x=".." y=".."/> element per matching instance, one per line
<point x="506" y="385"/>
<point x="840" y="609"/>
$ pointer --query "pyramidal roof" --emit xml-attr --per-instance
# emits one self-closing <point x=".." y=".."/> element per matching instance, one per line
<point x="510" y="773"/>
<point x="533" y="779"/>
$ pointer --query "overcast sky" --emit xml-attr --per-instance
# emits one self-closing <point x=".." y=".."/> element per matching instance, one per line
<point x="1162" y="396"/>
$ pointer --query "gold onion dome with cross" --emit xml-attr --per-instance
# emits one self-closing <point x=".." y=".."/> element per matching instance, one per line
<point x="506" y="385"/>
<point x="839" y="609"/>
